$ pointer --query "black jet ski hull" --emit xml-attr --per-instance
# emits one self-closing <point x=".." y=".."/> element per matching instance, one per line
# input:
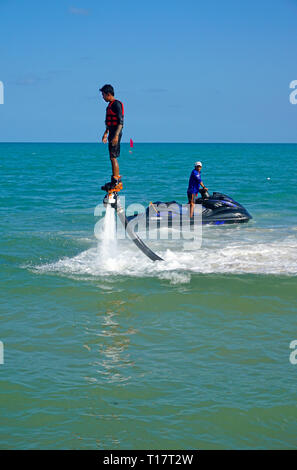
<point x="217" y="209"/>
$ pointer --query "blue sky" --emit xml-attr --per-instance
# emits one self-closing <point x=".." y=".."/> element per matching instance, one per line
<point x="187" y="71"/>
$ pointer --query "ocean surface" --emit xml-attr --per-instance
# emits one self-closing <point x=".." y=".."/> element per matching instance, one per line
<point x="104" y="349"/>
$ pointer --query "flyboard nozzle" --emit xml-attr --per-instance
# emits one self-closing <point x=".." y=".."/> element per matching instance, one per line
<point x="110" y="199"/>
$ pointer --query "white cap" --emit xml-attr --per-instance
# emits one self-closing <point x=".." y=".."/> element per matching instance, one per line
<point x="198" y="164"/>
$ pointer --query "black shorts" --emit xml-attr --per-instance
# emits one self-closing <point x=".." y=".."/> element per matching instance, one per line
<point x="190" y="197"/>
<point x="114" y="150"/>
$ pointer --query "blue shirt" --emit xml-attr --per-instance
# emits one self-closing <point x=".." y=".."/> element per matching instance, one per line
<point x="194" y="182"/>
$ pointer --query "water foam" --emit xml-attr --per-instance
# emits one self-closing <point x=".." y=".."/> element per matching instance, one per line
<point x="232" y="251"/>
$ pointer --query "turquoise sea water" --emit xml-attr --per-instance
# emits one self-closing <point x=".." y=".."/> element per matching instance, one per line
<point x="124" y="353"/>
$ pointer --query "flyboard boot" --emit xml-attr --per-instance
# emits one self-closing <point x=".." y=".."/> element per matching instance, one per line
<point x="112" y="188"/>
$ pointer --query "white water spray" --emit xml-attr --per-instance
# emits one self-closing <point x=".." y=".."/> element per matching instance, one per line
<point x="108" y="244"/>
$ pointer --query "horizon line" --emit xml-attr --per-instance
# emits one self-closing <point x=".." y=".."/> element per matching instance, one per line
<point x="141" y="142"/>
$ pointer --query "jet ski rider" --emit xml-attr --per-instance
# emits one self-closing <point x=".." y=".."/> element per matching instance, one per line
<point x="194" y="184"/>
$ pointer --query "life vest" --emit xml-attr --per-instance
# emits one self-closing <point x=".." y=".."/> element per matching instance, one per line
<point x="112" y="119"/>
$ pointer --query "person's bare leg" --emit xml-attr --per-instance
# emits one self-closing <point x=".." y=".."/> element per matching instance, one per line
<point x="115" y="167"/>
<point x="192" y="206"/>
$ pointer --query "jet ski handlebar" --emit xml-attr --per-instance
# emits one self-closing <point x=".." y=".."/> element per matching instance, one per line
<point x="204" y="193"/>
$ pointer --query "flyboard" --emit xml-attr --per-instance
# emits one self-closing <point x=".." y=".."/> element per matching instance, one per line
<point x="111" y="198"/>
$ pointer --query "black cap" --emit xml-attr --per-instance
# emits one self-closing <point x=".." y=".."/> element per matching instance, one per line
<point x="107" y="89"/>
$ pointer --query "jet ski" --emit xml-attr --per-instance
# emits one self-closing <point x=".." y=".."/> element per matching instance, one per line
<point x="217" y="209"/>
